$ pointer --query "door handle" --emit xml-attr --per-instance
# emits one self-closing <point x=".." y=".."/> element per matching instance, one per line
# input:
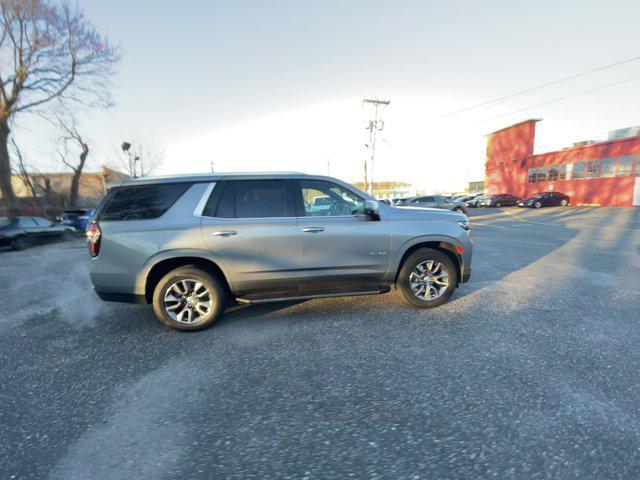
<point x="224" y="233"/>
<point x="313" y="229"/>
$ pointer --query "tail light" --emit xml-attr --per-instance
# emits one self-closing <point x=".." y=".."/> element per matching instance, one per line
<point x="93" y="238"/>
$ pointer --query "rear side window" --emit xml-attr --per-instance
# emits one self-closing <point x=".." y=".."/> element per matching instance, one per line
<point x="27" y="222"/>
<point x="143" y="202"/>
<point x="249" y="199"/>
<point x="43" y="222"/>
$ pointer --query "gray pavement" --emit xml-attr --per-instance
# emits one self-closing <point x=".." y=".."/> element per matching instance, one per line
<point x="531" y="371"/>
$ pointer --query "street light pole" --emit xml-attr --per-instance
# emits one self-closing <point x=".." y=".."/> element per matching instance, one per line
<point x="376" y="125"/>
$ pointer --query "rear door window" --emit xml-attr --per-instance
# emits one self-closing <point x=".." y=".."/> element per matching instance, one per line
<point x="27" y="222"/>
<point x="142" y="202"/>
<point x="249" y="199"/>
<point x="43" y="222"/>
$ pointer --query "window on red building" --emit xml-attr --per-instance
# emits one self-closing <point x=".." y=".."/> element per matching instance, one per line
<point x="563" y="171"/>
<point x="541" y="175"/>
<point x="531" y="178"/>
<point x="608" y="168"/>
<point x="625" y="166"/>
<point x="553" y="173"/>
<point x="593" y="169"/>
<point x="578" y="170"/>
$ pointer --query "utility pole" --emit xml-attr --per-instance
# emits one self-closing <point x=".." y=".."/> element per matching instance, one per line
<point x="126" y="148"/>
<point x="211" y="164"/>
<point x="328" y="166"/>
<point x="375" y="125"/>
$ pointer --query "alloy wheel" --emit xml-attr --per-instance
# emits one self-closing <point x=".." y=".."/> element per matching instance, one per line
<point x="187" y="301"/>
<point x="429" y="280"/>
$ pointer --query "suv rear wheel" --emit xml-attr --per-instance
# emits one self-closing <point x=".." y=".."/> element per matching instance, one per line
<point x="188" y="299"/>
<point x="427" y="278"/>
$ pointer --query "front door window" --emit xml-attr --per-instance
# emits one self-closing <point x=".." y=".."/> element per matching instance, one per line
<point x="324" y="199"/>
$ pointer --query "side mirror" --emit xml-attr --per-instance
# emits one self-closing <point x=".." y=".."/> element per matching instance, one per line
<point x="372" y="210"/>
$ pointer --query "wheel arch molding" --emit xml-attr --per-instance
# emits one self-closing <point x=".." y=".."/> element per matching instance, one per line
<point x="445" y="244"/>
<point x="162" y="263"/>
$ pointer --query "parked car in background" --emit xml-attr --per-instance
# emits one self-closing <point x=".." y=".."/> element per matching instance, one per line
<point x="189" y="244"/>
<point x="545" y="199"/>
<point x="464" y="198"/>
<point x="21" y="232"/>
<point x="434" y="201"/>
<point x="500" y="200"/>
<point x="473" y="203"/>
<point x="78" y="219"/>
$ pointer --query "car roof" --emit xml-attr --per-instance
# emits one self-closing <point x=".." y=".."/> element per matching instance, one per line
<point x="212" y="177"/>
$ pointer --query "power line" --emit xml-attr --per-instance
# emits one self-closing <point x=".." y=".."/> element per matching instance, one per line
<point x="584" y="92"/>
<point x="548" y="84"/>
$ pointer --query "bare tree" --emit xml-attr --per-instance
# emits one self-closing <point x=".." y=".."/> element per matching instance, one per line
<point x="23" y="170"/>
<point x="72" y="141"/>
<point x="142" y="157"/>
<point x="48" y="51"/>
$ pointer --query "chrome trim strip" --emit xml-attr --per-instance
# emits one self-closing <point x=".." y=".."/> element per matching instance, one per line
<point x="203" y="200"/>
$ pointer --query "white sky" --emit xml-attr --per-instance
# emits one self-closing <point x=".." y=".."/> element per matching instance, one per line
<point x="268" y="85"/>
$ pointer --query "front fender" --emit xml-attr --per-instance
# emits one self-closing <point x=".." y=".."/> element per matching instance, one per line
<point x="412" y="242"/>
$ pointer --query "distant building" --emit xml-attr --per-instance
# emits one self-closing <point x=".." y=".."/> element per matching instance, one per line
<point x="476" y="188"/>
<point x="91" y="189"/>
<point x="603" y="173"/>
<point x="388" y="189"/>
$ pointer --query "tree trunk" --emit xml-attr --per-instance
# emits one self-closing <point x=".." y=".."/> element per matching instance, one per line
<point x="5" y="170"/>
<point x="77" y="173"/>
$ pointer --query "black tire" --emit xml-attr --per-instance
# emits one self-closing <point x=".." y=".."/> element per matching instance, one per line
<point x="498" y="205"/>
<point x="415" y="259"/>
<point x="458" y="209"/>
<point x="211" y="283"/>
<point x="564" y="202"/>
<point x="66" y="235"/>
<point x="537" y="205"/>
<point x="20" y="242"/>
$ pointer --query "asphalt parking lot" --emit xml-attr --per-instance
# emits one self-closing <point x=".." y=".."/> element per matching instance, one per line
<point x="531" y="371"/>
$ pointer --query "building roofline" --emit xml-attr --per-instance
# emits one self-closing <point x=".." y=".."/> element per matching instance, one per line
<point x="593" y="145"/>
<point x="535" y="120"/>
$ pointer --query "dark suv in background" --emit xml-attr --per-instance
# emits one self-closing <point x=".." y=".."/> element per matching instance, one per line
<point x="500" y="200"/>
<point x="545" y="199"/>
<point x="190" y="244"/>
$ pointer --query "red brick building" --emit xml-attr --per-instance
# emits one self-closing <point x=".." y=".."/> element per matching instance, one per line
<point x="602" y="173"/>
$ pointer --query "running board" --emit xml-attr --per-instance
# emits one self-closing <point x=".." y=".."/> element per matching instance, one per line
<point x="309" y="297"/>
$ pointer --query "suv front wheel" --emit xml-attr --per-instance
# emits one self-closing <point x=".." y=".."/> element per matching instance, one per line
<point x="188" y="299"/>
<point x="427" y="278"/>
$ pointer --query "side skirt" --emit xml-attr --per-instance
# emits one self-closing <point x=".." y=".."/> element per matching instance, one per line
<point x="296" y="295"/>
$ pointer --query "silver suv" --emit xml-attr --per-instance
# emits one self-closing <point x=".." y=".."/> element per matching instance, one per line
<point x="189" y="245"/>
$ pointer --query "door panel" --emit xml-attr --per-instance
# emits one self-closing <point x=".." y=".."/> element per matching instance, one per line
<point x="262" y="255"/>
<point x="339" y="252"/>
<point x="343" y="252"/>
<point x="251" y="230"/>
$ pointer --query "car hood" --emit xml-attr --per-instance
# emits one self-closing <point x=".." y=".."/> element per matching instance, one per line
<point x="421" y="213"/>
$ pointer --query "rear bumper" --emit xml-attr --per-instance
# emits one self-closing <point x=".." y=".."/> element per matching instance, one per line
<point x="466" y="276"/>
<point x="122" y="297"/>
